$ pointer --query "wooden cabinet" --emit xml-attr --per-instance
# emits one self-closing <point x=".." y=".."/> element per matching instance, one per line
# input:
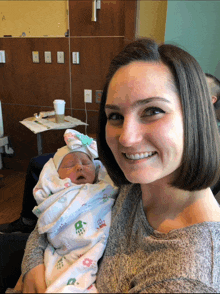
<point x="95" y="57"/>
<point x="110" y="18"/>
<point x="27" y="88"/>
<point x="97" y="43"/>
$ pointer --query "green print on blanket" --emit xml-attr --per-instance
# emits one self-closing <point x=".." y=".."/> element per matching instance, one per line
<point x="79" y="227"/>
<point x="60" y="263"/>
<point x="37" y="212"/>
<point x="72" y="281"/>
<point x="107" y="193"/>
<point x="53" y="250"/>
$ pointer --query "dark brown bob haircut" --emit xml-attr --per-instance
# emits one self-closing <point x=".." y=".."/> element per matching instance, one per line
<point x="201" y="154"/>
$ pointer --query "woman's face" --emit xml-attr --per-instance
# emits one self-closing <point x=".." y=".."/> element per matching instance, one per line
<point x="144" y="127"/>
<point x="78" y="167"/>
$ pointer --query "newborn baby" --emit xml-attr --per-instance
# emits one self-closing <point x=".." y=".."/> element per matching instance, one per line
<point x="75" y="196"/>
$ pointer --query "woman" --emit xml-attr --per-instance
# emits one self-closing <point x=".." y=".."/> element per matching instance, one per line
<point x="158" y="140"/>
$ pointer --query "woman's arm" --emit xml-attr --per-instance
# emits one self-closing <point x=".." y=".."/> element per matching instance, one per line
<point x="32" y="279"/>
<point x="175" y="285"/>
<point x="33" y="271"/>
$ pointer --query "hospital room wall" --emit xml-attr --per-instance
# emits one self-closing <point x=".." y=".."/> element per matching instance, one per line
<point x="194" y="25"/>
<point x="27" y="88"/>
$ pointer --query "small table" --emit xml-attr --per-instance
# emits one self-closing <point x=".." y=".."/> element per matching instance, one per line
<point x="37" y="126"/>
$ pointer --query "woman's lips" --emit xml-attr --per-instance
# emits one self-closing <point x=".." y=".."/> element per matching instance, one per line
<point x="138" y="156"/>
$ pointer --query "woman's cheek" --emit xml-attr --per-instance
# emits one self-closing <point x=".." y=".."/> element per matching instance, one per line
<point x="110" y="138"/>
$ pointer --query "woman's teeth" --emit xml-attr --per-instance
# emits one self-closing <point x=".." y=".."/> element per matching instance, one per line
<point x="139" y="155"/>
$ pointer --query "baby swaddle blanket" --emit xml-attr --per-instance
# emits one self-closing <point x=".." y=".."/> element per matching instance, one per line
<point x="76" y="219"/>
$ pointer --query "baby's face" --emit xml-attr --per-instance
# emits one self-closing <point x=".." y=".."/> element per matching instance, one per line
<point x="78" y="167"/>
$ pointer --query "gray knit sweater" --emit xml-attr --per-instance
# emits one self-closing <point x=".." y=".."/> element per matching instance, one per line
<point x="139" y="259"/>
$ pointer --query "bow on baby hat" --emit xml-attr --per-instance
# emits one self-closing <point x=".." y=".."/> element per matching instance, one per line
<point x="76" y="142"/>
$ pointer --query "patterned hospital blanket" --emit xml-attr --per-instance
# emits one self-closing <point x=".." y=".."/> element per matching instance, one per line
<point x="76" y="219"/>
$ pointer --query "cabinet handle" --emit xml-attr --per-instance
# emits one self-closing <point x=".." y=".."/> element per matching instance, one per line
<point x="96" y="4"/>
<point x="94" y="10"/>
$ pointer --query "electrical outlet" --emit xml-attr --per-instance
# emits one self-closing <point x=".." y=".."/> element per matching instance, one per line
<point x="60" y="57"/>
<point x="47" y="56"/>
<point x="88" y="96"/>
<point x="75" y="57"/>
<point x="35" y="57"/>
<point x="2" y="56"/>
<point x="98" y="96"/>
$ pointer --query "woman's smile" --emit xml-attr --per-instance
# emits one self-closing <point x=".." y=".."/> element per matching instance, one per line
<point x="137" y="156"/>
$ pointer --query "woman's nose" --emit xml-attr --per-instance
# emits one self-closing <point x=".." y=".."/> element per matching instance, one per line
<point x="130" y="133"/>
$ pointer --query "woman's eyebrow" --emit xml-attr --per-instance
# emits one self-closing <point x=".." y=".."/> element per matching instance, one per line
<point x="111" y="106"/>
<point x="138" y="103"/>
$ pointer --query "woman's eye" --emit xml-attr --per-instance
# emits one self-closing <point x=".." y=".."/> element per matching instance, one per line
<point x="114" y="116"/>
<point x="153" y="111"/>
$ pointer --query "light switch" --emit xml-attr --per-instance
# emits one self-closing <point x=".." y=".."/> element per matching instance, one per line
<point x="88" y="96"/>
<point x="47" y="56"/>
<point x="75" y="57"/>
<point x="2" y="56"/>
<point x="35" y="56"/>
<point x="60" y="57"/>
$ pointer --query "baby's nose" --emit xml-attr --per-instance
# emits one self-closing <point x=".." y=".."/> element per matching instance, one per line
<point x="79" y="167"/>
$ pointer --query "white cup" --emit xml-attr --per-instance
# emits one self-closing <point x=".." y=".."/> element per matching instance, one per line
<point x="59" y="106"/>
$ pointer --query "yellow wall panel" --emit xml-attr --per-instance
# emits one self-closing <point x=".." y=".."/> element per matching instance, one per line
<point x="151" y="19"/>
<point x="36" y="18"/>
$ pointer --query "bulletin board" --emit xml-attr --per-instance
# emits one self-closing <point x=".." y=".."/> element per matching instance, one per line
<point x="33" y="18"/>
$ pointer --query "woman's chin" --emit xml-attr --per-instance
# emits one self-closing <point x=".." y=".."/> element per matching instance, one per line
<point x="140" y="179"/>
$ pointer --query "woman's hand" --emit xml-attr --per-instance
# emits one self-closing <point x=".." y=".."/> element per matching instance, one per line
<point x="19" y="285"/>
<point x="34" y="280"/>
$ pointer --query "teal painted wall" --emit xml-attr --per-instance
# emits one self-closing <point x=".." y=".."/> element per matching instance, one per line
<point x="195" y="27"/>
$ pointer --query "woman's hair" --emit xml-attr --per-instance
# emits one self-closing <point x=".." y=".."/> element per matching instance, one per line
<point x="200" y="163"/>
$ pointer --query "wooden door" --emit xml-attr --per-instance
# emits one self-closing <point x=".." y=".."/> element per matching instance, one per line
<point x="97" y="43"/>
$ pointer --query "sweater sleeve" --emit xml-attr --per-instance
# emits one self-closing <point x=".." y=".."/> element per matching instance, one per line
<point x="180" y="285"/>
<point x="34" y="251"/>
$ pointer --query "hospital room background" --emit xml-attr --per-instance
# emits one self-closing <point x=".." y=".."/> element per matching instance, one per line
<point x="28" y="87"/>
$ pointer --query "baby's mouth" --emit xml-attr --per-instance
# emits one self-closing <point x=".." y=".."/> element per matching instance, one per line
<point x="80" y="178"/>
